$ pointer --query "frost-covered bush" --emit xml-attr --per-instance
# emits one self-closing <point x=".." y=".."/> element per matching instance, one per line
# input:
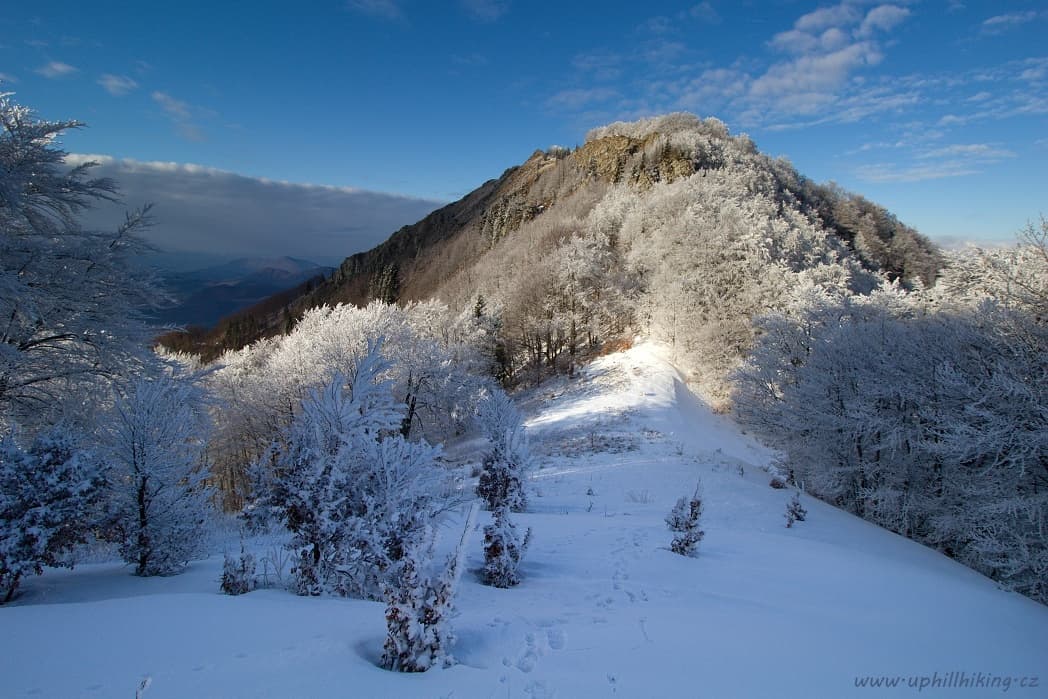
<point x="238" y="574"/>
<point x="684" y="521"/>
<point x="154" y="441"/>
<point x="47" y="492"/>
<point x="795" y="511"/>
<point x="503" y="550"/>
<point x="506" y="465"/>
<point x="353" y="492"/>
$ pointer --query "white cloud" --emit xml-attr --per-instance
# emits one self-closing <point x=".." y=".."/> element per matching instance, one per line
<point x="383" y="9"/>
<point x="1002" y="23"/>
<point x="794" y="41"/>
<point x="711" y="89"/>
<point x="884" y="172"/>
<point x="182" y="115"/>
<point x="485" y="10"/>
<point x="7" y="78"/>
<point x="205" y="210"/>
<point x="56" y="69"/>
<point x="827" y="48"/>
<point x="955" y="160"/>
<point x="972" y="151"/>
<point x="175" y="108"/>
<point x="826" y="17"/>
<point x="819" y="73"/>
<point x="883" y="18"/>
<point x="117" y="84"/>
<point x="703" y="12"/>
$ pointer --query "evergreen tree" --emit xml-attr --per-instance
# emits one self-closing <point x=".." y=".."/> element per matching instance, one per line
<point x="795" y="511"/>
<point x="505" y="467"/>
<point x="419" y="607"/>
<point x="684" y="521"/>
<point x="503" y="550"/>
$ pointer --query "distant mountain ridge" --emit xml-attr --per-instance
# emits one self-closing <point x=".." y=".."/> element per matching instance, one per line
<point x="207" y="295"/>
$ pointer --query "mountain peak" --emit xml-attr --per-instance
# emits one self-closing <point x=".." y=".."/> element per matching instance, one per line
<point x="516" y="220"/>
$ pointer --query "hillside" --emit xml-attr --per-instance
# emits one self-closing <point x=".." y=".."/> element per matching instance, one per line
<point x="604" y="608"/>
<point x="518" y="220"/>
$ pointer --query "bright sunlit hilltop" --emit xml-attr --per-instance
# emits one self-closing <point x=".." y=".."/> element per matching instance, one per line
<point x="934" y="109"/>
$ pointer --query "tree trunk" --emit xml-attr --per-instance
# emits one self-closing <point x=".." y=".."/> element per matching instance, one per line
<point x="143" y="523"/>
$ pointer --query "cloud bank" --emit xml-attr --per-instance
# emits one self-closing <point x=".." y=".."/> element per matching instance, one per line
<point x="201" y="211"/>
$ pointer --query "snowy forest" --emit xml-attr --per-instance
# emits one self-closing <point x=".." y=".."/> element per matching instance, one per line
<point x="904" y="384"/>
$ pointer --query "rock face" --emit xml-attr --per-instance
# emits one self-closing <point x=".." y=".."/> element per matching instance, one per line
<point x="440" y="252"/>
<point x="480" y="220"/>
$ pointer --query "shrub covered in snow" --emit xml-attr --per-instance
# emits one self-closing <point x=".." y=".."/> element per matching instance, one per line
<point x="238" y="574"/>
<point x="683" y="519"/>
<point x="354" y="493"/>
<point x="46" y="494"/>
<point x="795" y="511"/>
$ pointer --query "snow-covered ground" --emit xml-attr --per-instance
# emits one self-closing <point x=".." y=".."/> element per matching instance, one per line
<point x="605" y="608"/>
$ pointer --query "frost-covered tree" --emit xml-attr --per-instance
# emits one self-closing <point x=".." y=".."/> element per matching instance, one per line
<point x="70" y="298"/>
<point x="684" y="520"/>
<point x="503" y="550"/>
<point x="433" y="363"/>
<point x="155" y="445"/>
<point x="505" y="467"/>
<point x="48" y="491"/>
<point x="946" y="447"/>
<point x="418" y="615"/>
<point x="419" y="607"/>
<point x="353" y="492"/>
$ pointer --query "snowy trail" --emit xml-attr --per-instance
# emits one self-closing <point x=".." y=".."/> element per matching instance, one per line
<point x="605" y="608"/>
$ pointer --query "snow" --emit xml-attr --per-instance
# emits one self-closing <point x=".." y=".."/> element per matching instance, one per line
<point x="604" y="608"/>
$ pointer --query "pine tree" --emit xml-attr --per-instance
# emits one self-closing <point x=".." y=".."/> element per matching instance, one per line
<point x="684" y="519"/>
<point x="503" y="550"/>
<point x="419" y="609"/>
<point x="505" y="466"/>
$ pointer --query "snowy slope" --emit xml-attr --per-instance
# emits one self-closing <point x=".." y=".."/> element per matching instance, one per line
<point x="605" y="608"/>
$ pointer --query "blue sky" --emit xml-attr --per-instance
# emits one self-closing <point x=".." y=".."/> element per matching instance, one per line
<point x="937" y="110"/>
